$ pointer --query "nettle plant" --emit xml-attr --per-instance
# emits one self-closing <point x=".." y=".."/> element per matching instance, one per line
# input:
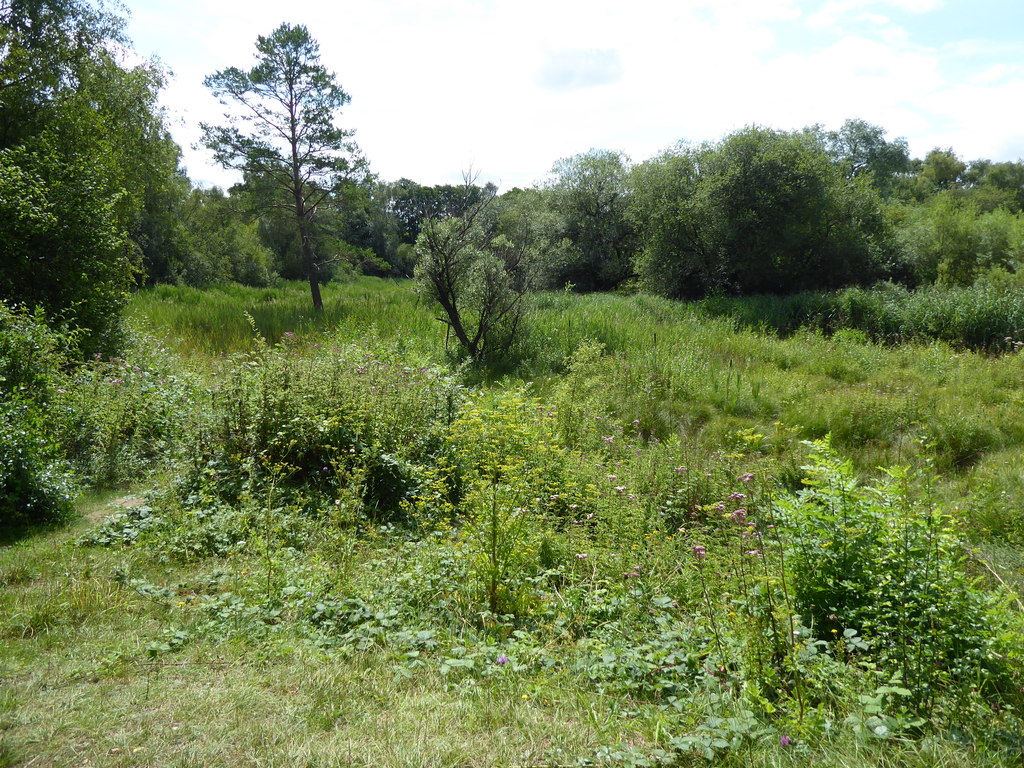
<point x="885" y="561"/>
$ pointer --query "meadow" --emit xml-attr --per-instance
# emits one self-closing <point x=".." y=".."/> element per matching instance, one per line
<point x="658" y="534"/>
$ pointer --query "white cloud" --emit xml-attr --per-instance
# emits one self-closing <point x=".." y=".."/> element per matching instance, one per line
<point x="510" y="86"/>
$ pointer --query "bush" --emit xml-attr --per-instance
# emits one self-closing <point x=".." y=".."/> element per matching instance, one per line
<point x="885" y="562"/>
<point x="35" y="484"/>
<point x="62" y="247"/>
<point x="760" y="212"/>
<point x="321" y="422"/>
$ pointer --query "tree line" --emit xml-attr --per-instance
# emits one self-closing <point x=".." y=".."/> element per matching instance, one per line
<point x="94" y="202"/>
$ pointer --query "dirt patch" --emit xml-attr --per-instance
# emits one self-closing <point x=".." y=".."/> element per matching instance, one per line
<point x="102" y="512"/>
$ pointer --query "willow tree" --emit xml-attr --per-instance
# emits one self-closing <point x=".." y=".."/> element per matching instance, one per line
<point x="282" y="130"/>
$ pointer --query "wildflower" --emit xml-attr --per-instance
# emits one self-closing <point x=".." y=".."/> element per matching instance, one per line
<point x="620" y="489"/>
<point x="739" y="516"/>
<point x="608" y="439"/>
<point x="502" y="660"/>
<point x="699" y="552"/>
<point x="680" y="468"/>
<point x="737" y="496"/>
<point x="324" y="469"/>
<point x="581" y="555"/>
<point x="611" y="478"/>
<point x="746" y="477"/>
<point x="784" y="740"/>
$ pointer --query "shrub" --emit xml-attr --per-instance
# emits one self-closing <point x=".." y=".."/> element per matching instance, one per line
<point x="35" y="484"/>
<point x="884" y="561"/>
<point x="317" y="420"/>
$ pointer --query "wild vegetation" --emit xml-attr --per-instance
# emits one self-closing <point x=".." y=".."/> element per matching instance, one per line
<point x="653" y="537"/>
<point x="713" y="458"/>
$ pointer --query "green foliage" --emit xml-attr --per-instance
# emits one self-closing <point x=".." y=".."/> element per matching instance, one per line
<point x="589" y="195"/>
<point x="87" y="168"/>
<point x="883" y="561"/>
<point x="63" y="249"/>
<point x="949" y="241"/>
<point x="320" y="422"/>
<point x="284" y="134"/>
<point x="984" y="316"/>
<point x="119" y="421"/>
<point x="478" y="268"/>
<point x="36" y="484"/>
<point x="860" y="149"/>
<point x="761" y="212"/>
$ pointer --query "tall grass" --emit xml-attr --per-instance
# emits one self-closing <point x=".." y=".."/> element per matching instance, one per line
<point x="983" y="317"/>
<point x="672" y="367"/>
<point x="216" y="320"/>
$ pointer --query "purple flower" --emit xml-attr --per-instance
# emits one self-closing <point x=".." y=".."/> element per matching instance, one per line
<point x="608" y="439"/>
<point x="581" y="555"/>
<point x="784" y="740"/>
<point x="699" y="552"/>
<point x="737" y="496"/>
<point x="503" y="660"/>
<point x="739" y="516"/>
<point x="746" y="477"/>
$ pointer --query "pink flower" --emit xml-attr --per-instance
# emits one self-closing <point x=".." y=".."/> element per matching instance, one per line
<point x="581" y="555"/>
<point x="699" y="552"/>
<point x="746" y="477"/>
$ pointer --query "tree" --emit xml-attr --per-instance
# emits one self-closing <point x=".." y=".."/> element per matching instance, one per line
<point x="590" y="194"/>
<point x="285" y="132"/>
<point x="762" y="211"/>
<point x="861" y="148"/>
<point x="81" y="138"/>
<point x="478" y="267"/>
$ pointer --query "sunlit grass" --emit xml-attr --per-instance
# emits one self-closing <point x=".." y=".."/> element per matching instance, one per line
<point x="86" y="679"/>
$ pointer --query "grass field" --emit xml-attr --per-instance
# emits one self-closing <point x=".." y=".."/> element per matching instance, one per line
<point x="628" y="545"/>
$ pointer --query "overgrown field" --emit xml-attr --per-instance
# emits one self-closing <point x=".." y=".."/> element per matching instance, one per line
<point x="654" y="537"/>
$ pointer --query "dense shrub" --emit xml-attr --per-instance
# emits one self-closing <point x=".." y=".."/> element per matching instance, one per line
<point x="887" y="563"/>
<point x="323" y="421"/>
<point x="35" y="484"/>
<point x="63" y="249"/>
<point x="988" y="315"/>
<point x="119" y="420"/>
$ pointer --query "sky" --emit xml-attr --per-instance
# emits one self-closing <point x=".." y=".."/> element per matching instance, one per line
<point x="508" y="87"/>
